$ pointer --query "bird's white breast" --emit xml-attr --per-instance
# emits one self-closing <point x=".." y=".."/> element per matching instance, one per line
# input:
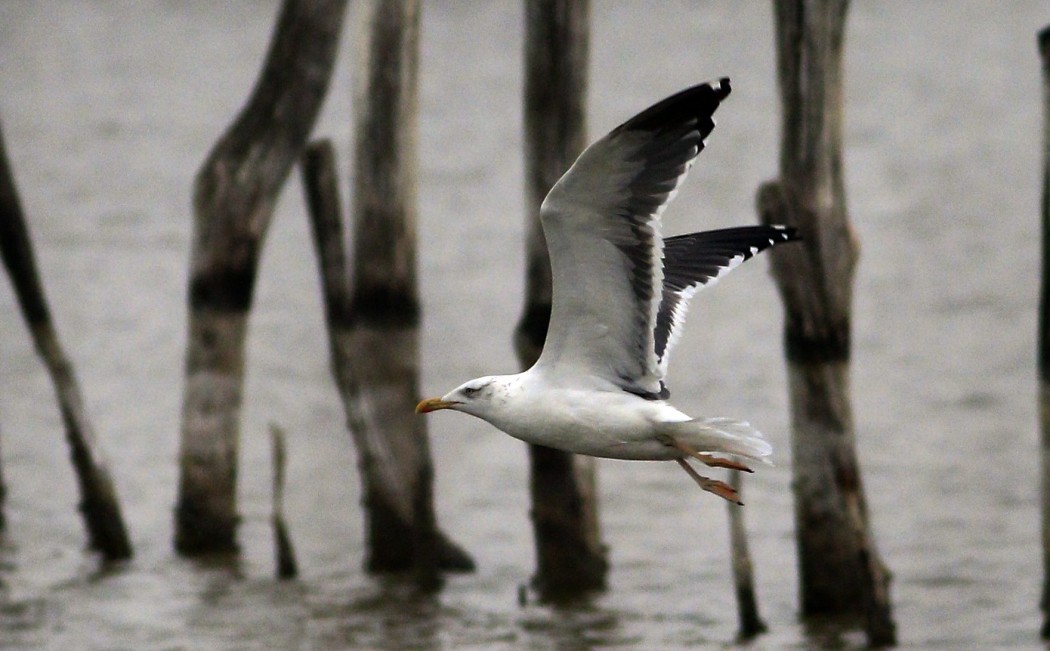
<point x="602" y="421"/>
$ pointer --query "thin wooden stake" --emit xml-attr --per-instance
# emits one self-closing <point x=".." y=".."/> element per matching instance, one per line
<point x="1043" y="353"/>
<point x="98" y="498"/>
<point x="287" y="568"/>
<point x="751" y="624"/>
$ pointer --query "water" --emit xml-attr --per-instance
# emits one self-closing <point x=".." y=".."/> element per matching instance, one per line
<point x="109" y="108"/>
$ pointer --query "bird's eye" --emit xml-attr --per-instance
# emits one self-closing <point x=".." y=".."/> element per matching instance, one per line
<point x="470" y="391"/>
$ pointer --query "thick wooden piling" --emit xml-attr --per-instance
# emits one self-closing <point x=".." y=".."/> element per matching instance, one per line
<point x="384" y="297"/>
<point x="395" y="491"/>
<point x="570" y="556"/>
<point x="234" y="196"/>
<point x="841" y="573"/>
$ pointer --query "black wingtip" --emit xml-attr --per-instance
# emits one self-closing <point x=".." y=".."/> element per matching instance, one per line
<point x="695" y="103"/>
<point x="723" y="88"/>
<point x="790" y="233"/>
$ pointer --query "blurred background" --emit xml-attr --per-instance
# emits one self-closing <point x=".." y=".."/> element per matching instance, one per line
<point x="110" y="107"/>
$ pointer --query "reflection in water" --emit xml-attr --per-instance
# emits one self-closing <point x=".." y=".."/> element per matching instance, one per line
<point x="24" y="622"/>
<point x="395" y="615"/>
<point x="833" y="633"/>
<point x="229" y="610"/>
<point x="23" y="618"/>
<point x="391" y="613"/>
<point x="580" y="626"/>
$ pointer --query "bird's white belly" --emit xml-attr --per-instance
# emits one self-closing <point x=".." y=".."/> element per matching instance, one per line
<point x="612" y="424"/>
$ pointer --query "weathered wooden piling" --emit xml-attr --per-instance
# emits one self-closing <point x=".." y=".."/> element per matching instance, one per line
<point x="840" y="571"/>
<point x="1043" y="352"/>
<point x="383" y="342"/>
<point x="234" y="196"/>
<point x="569" y="552"/>
<point x="397" y="495"/>
<point x="393" y="452"/>
<point x="99" y="505"/>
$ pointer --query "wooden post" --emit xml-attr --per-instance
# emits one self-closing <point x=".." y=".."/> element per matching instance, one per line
<point x="750" y="621"/>
<point x="373" y="321"/>
<point x="394" y="491"/>
<point x="98" y="498"/>
<point x="840" y="570"/>
<point x="1044" y="331"/>
<point x="284" y="552"/>
<point x="570" y="555"/>
<point x="384" y="299"/>
<point x="234" y="196"/>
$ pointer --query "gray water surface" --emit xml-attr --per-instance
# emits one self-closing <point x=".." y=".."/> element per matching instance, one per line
<point x="108" y="110"/>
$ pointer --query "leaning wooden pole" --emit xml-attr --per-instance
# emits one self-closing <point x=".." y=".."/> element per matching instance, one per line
<point x="98" y="498"/>
<point x="1043" y="352"/>
<point x="394" y="492"/>
<point x="748" y="617"/>
<point x="233" y="201"/>
<point x="840" y="570"/>
<point x="569" y="552"/>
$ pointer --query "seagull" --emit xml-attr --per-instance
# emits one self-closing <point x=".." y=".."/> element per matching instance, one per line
<point x="620" y="294"/>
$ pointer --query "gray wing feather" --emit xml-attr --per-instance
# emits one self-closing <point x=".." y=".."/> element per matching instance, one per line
<point x="601" y="221"/>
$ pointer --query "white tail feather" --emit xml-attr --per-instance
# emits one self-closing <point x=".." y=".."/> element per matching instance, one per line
<point x="722" y="435"/>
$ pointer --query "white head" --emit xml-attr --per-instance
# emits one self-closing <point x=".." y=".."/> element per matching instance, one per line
<point x="481" y="397"/>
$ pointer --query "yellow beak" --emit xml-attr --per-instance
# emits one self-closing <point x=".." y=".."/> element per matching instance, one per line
<point x="433" y="404"/>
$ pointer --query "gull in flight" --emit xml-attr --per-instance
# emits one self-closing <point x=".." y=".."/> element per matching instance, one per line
<point x="620" y="293"/>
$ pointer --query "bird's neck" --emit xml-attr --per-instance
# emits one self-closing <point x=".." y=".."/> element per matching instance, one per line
<point x="509" y="395"/>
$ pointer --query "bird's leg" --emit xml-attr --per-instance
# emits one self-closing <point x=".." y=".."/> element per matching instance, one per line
<point x="719" y="488"/>
<point x="719" y="462"/>
<point x="707" y="459"/>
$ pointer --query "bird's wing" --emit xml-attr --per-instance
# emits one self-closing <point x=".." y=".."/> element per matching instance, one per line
<point x="601" y="221"/>
<point x="698" y="260"/>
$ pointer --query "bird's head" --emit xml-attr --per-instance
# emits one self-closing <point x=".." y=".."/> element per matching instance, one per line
<point x="476" y="398"/>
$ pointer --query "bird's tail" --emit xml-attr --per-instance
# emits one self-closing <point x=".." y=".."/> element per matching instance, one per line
<point x="721" y="435"/>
